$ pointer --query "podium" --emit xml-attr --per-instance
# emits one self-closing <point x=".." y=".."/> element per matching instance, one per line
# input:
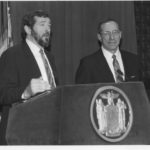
<point x="62" y="117"/>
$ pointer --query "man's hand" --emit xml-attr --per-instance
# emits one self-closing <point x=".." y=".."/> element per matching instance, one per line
<point x="35" y="86"/>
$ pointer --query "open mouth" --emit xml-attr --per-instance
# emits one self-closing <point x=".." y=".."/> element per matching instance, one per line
<point x="46" y="37"/>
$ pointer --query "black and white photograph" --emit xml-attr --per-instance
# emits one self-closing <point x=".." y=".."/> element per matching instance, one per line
<point x="74" y="73"/>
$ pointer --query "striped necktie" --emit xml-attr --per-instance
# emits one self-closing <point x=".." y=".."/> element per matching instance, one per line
<point x="118" y="72"/>
<point x="48" y="70"/>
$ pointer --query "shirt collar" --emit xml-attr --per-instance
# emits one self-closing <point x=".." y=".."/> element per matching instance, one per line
<point x="33" y="46"/>
<point x="109" y="54"/>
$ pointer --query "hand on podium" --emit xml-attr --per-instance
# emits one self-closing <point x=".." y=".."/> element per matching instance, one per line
<point x="36" y="85"/>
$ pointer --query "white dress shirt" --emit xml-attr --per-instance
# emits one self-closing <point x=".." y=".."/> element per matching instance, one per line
<point x="37" y="55"/>
<point x="108" y="56"/>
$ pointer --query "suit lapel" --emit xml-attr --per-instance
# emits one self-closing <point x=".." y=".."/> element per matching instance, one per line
<point x="104" y="67"/>
<point x="32" y="64"/>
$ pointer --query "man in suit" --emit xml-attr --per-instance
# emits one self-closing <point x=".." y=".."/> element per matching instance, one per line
<point x="27" y="69"/>
<point x="109" y="63"/>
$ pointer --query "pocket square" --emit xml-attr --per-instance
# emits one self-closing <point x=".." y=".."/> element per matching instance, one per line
<point x="131" y="77"/>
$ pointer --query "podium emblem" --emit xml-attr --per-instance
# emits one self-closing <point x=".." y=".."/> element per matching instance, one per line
<point x="111" y="113"/>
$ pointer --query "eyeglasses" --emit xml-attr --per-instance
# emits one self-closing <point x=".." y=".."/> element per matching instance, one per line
<point x="107" y="34"/>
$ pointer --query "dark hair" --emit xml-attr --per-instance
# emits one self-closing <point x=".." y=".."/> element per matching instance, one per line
<point x="105" y="21"/>
<point x="29" y="20"/>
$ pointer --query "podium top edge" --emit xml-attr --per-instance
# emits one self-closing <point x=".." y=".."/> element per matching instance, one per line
<point x="91" y="84"/>
<point x="77" y="85"/>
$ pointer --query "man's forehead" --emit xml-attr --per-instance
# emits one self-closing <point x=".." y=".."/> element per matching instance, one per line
<point x="110" y="24"/>
<point x="42" y="19"/>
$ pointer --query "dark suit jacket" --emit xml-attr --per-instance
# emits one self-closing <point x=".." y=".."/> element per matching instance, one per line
<point x="17" y="68"/>
<point x="94" y="68"/>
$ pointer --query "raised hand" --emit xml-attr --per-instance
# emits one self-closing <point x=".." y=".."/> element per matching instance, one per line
<point x="36" y="85"/>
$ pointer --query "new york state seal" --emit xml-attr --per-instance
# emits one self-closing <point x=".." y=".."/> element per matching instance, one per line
<point x="111" y="113"/>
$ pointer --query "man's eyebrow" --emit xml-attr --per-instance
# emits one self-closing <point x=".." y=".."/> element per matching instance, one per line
<point x="43" y="21"/>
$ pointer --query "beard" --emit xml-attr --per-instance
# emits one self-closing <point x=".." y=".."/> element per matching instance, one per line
<point x="43" y="40"/>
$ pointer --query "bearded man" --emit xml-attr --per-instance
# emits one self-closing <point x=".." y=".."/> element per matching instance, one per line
<point x="27" y="69"/>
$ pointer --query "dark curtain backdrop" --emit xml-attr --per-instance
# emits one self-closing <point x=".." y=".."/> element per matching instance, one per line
<point x="74" y="27"/>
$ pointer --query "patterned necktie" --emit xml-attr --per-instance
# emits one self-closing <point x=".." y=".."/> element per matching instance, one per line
<point x="48" y="70"/>
<point x="118" y="72"/>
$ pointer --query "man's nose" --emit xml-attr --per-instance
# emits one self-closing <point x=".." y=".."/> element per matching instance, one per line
<point x="48" y="29"/>
<point x="111" y="35"/>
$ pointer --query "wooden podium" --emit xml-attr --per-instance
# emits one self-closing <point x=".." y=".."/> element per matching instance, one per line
<point x="62" y="117"/>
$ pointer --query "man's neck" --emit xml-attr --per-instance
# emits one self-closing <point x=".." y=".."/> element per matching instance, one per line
<point x="111" y="51"/>
<point x="31" y="39"/>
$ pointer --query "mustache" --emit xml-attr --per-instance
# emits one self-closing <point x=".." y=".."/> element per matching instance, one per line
<point x="46" y="34"/>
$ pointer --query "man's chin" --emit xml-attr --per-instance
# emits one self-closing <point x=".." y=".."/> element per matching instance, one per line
<point x="111" y="49"/>
<point x="44" y="43"/>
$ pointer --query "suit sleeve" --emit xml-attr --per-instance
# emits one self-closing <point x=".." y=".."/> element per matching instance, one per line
<point x="83" y="73"/>
<point x="10" y="92"/>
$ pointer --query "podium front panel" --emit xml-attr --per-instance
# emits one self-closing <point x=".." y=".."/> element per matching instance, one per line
<point x="63" y="117"/>
<point x="35" y="121"/>
<point x="76" y="126"/>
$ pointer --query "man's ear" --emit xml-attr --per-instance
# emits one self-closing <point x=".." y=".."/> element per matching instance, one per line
<point x="99" y="37"/>
<point x="120" y="34"/>
<point x="27" y="29"/>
